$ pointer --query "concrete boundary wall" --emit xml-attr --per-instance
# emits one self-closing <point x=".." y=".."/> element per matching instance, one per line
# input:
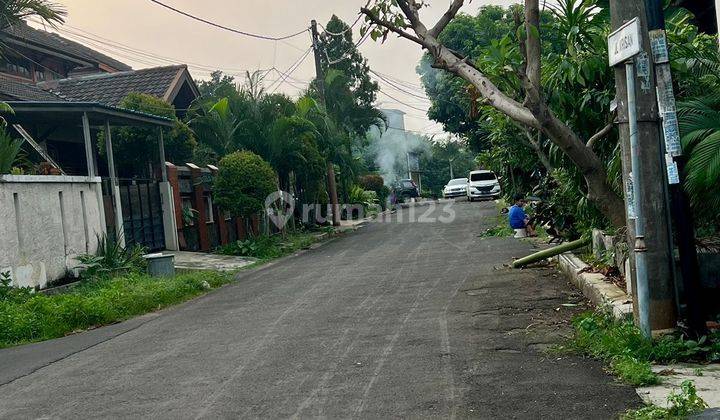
<point x="45" y="223"/>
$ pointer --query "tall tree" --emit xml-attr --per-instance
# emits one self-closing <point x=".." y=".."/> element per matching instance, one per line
<point x="340" y="54"/>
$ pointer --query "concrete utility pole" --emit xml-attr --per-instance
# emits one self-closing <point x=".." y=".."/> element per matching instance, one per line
<point x="654" y="201"/>
<point x="675" y="161"/>
<point x="332" y="187"/>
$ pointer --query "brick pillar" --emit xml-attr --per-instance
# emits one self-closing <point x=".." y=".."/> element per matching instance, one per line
<point x="199" y="198"/>
<point x="173" y="179"/>
<point x="223" y="226"/>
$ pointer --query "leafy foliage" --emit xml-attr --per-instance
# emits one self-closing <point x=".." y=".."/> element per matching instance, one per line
<point x="134" y="147"/>
<point x="9" y="151"/>
<point x="9" y="293"/>
<point x="112" y="259"/>
<point x="12" y="12"/>
<point x="243" y="182"/>
<point x="269" y="247"/>
<point x="629" y="353"/>
<point x="680" y="405"/>
<point x="700" y="128"/>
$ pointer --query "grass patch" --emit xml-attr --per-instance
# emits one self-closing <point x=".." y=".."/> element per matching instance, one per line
<point x="629" y="354"/>
<point x="28" y="317"/>
<point x="680" y="405"/>
<point x="267" y="248"/>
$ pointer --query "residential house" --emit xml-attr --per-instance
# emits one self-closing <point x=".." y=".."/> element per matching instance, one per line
<point x="63" y="94"/>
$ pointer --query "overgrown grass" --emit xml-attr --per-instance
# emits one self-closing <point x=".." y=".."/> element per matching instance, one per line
<point x="270" y="247"/>
<point x="27" y="317"/>
<point x="629" y="354"/>
<point x="680" y="406"/>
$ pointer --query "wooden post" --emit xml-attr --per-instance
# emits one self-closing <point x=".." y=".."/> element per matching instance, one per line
<point x="89" y="155"/>
<point x="114" y="187"/>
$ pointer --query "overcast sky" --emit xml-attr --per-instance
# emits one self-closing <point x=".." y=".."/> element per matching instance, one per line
<point x="156" y="36"/>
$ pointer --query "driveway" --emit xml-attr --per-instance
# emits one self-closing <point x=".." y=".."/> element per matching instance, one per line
<point x="401" y="319"/>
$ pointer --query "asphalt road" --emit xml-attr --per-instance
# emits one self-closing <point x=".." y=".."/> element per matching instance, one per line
<point x="411" y="319"/>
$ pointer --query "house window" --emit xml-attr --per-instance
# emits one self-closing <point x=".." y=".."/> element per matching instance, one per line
<point x="39" y="76"/>
<point x="209" y="217"/>
<point x="16" y="66"/>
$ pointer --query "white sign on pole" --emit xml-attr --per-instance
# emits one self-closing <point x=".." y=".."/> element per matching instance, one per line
<point x="625" y="42"/>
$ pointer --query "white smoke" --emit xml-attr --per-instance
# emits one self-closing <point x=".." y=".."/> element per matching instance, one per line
<point x="390" y="147"/>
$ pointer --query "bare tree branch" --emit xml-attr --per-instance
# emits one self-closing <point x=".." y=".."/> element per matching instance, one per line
<point x="446" y="18"/>
<point x="600" y="134"/>
<point x="391" y="27"/>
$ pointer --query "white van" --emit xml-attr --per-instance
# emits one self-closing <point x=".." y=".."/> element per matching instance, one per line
<point x="483" y="184"/>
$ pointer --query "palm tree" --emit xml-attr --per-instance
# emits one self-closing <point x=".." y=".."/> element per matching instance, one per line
<point x="217" y="127"/>
<point x="13" y="12"/>
<point x="700" y="128"/>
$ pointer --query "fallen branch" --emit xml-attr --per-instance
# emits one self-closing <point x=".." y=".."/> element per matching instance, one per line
<point x="547" y="253"/>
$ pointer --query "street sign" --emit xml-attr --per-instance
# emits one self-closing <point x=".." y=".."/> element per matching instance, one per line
<point x="625" y="42"/>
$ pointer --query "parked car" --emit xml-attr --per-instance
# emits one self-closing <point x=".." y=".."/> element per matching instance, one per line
<point x="405" y="189"/>
<point x="455" y="188"/>
<point x="483" y="184"/>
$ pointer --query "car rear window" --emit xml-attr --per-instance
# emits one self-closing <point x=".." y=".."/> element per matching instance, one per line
<point x="407" y="184"/>
<point x="483" y="176"/>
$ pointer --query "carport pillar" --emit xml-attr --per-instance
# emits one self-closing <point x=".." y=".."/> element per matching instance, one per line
<point x="167" y="199"/>
<point x="114" y="187"/>
<point x="88" y="146"/>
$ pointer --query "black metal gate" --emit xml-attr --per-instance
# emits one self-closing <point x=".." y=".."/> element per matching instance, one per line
<point x="142" y="213"/>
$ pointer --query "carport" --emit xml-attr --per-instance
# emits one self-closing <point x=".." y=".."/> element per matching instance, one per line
<point x="61" y="131"/>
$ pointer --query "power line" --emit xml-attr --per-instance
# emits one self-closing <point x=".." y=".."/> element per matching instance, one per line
<point x="236" y="31"/>
<point x="88" y="36"/>
<point x="397" y="87"/>
<point x="401" y="102"/>
<point x="291" y="69"/>
<point x="349" y="28"/>
<point x="347" y="54"/>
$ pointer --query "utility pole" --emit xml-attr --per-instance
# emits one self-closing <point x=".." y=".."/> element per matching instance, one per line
<point x="675" y="163"/>
<point x="332" y="187"/>
<point x="653" y="203"/>
<point x="452" y="176"/>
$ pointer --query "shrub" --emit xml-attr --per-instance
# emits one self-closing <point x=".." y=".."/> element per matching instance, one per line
<point x="269" y="247"/>
<point x="243" y="182"/>
<point x="9" y="151"/>
<point x="112" y="259"/>
<point x="373" y="182"/>
<point x="136" y="146"/>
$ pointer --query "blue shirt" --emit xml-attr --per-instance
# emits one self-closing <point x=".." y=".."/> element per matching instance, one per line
<point x="517" y="217"/>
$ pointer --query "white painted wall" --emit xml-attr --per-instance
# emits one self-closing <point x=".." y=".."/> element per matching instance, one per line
<point x="44" y="245"/>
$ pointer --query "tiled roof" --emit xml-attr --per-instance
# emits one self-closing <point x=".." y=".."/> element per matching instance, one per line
<point x="112" y="88"/>
<point x="13" y="90"/>
<point x="49" y="40"/>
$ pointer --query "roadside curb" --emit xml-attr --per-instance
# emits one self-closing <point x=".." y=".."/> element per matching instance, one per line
<point x="594" y="286"/>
